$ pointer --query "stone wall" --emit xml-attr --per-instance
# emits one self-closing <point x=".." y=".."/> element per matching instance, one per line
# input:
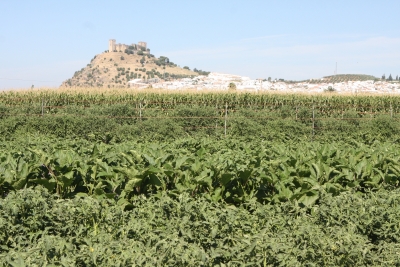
<point x="112" y="46"/>
<point x="121" y="47"/>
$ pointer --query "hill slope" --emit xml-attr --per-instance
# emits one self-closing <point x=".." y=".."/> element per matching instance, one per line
<point x="348" y="78"/>
<point x="115" y="69"/>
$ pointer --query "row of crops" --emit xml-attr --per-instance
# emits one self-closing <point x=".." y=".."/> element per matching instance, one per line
<point x="151" y="104"/>
<point x="150" y="179"/>
<point x="199" y="203"/>
<point x="229" y="170"/>
<point x="40" y="229"/>
<point x="105" y="127"/>
<point x="56" y="98"/>
<point x="136" y="108"/>
<point x="107" y="117"/>
<point x="349" y="77"/>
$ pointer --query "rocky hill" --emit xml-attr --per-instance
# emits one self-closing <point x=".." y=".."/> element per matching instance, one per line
<point x="115" y="69"/>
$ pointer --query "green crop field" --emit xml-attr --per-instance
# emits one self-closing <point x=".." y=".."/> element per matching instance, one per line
<point x="204" y="179"/>
<point x="349" y="77"/>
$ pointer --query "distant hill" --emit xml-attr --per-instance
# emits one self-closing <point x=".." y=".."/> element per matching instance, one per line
<point x="115" y="69"/>
<point x="347" y="78"/>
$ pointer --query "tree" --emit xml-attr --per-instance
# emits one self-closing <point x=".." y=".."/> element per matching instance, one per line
<point x="390" y="78"/>
<point x="161" y="61"/>
<point x="140" y="53"/>
<point x="269" y="79"/>
<point x="186" y="68"/>
<point x="232" y="86"/>
<point x="397" y="77"/>
<point x="383" y="77"/>
<point x="330" y="89"/>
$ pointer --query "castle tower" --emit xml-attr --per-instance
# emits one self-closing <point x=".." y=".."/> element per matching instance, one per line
<point x="142" y="44"/>
<point x="111" y="45"/>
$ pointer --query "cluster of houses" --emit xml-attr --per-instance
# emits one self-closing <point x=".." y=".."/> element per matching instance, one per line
<point x="221" y="82"/>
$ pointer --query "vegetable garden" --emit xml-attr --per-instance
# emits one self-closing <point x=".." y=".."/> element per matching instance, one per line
<point x="150" y="179"/>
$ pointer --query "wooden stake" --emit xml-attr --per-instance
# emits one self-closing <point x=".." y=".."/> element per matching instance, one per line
<point x="313" y="122"/>
<point x="226" y="115"/>
<point x="140" y="110"/>
<point x="216" y="123"/>
<point x="391" y="110"/>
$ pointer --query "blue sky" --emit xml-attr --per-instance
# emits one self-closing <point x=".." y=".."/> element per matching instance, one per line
<point x="45" y="42"/>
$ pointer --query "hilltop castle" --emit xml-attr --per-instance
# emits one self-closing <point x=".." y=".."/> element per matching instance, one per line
<point x="113" y="47"/>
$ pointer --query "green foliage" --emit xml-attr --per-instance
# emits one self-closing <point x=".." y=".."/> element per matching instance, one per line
<point x="330" y="89"/>
<point x="130" y="50"/>
<point x="200" y="72"/>
<point x="161" y="61"/>
<point x="228" y="170"/>
<point x="39" y="229"/>
<point x="335" y="117"/>
<point x="348" y="77"/>
<point x="150" y="179"/>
